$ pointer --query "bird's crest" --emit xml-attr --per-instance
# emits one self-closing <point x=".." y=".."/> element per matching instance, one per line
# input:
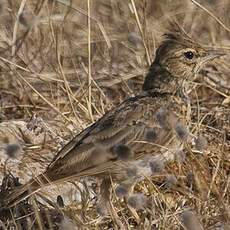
<point x="175" y="33"/>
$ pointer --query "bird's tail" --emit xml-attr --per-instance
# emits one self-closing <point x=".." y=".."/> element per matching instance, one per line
<point x="24" y="191"/>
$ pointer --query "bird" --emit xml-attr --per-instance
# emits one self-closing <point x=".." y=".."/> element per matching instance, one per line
<point x="143" y="125"/>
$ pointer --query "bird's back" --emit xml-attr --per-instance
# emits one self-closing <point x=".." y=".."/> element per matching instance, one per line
<point x="143" y="124"/>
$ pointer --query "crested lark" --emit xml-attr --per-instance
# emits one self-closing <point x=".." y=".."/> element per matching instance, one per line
<point x="146" y="124"/>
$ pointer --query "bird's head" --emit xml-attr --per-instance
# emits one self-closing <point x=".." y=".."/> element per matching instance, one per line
<point x="178" y="58"/>
<point x="181" y="56"/>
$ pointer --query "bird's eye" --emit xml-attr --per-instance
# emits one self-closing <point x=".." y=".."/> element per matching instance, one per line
<point x="189" y="55"/>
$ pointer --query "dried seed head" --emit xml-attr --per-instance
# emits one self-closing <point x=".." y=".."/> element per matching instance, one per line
<point x="156" y="165"/>
<point x="67" y="223"/>
<point x="161" y="117"/>
<point x="27" y="18"/>
<point x="138" y="201"/>
<point x="12" y="150"/>
<point x="23" y="20"/>
<point x="135" y="40"/>
<point x="181" y="131"/>
<point x="180" y="156"/>
<point x="123" y="152"/>
<point x="102" y="209"/>
<point x="201" y="143"/>
<point x="60" y="201"/>
<point x="190" y="220"/>
<point x="151" y="134"/>
<point x="170" y="181"/>
<point x="131" y="171"/>
<point x="121" y="191"/>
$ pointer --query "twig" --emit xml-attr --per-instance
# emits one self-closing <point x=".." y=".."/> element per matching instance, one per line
<point x="211" y="14"/>
<point x="43" y="98"/>
<point x="23" y="3"/>
<point x="141" y="31"/>
<point x="68" y="3"/>
<point x="89" y="102"/>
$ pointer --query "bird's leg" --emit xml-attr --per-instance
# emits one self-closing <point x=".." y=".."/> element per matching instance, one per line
<point x="105" y="204"/>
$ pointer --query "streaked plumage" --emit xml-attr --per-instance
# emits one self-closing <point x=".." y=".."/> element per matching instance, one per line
<point x="146" y="124"/>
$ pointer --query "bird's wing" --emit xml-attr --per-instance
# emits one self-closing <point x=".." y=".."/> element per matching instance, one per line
<point x="89" y="147"/>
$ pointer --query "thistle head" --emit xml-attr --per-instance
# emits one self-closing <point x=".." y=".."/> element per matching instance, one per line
<point x="12" y="150"/>
<point x="138" y="201"/>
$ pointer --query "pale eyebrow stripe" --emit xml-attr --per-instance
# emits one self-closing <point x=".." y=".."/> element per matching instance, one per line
<point x="178" y="55"/>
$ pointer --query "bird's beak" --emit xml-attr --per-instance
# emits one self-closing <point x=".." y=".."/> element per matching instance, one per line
<point x="212" y="54"/>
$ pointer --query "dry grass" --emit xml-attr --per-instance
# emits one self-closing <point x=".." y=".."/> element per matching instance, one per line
<point x="66" y="64"/>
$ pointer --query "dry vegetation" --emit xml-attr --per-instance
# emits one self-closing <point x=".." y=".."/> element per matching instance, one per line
<point x="61" y="70"/>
